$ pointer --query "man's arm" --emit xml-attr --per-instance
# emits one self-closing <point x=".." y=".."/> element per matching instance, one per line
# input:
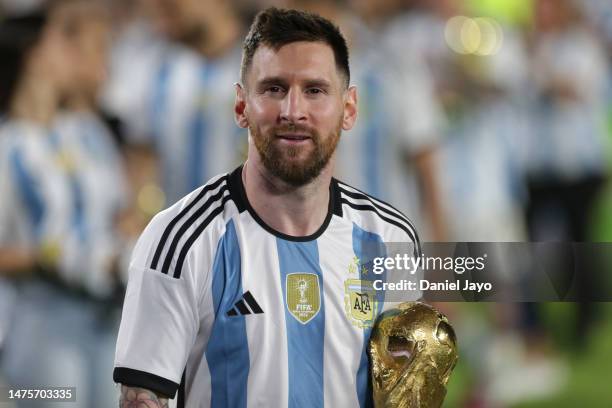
<point x="133" y="397"/>
<point x="424" y="162"/>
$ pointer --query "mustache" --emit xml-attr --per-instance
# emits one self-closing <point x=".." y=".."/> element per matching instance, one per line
<point x="295" y="128"/>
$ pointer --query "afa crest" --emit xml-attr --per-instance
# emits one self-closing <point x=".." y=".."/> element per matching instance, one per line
<point x="360" y="302"/>
<point x="303" y="296"/>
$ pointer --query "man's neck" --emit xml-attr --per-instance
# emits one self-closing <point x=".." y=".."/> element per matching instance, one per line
<point x="295" y="211"/>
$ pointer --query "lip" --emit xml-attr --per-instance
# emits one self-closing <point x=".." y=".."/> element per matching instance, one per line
<point x="293" y="136"/>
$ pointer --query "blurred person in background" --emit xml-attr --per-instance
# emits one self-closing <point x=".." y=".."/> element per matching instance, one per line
<point x="393" y="145"/>
<point x="566" y="165"/>
<point x="185" y="111"/>
<point x="59" y="202"/>
<point x="600" y="13"/>
<point x="9" y="260"/>
<point x="92" y="148"/>
<point x="567" y="154"/>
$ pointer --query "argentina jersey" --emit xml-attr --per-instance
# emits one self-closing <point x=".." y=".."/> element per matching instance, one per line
<point x="52" y="201"/>
<point x="35" y="207"/>
<point x="221" y="310"/>
<point x="91" y="160"/>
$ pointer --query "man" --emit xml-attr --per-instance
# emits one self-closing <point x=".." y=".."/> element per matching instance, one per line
<point x="240" y="294"/>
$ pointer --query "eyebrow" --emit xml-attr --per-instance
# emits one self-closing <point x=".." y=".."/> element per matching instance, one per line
<point x="317" y="83"/>
<point x="271" y="81"/>
<point x="276" y="80"/>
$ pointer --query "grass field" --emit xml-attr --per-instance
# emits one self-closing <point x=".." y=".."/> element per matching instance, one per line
<point x="590" y="367"/>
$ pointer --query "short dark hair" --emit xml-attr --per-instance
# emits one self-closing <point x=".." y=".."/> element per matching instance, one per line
<point x="275" y="27"/>
<point x="18" y="35"/>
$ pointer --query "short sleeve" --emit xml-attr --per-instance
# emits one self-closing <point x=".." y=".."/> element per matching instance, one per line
<point x="160" y="317"/>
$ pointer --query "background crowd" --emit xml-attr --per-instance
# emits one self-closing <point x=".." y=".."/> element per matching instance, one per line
<point x="482" y="120"/>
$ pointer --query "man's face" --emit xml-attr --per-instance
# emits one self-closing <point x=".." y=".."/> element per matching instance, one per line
<point x="295" y="104"/>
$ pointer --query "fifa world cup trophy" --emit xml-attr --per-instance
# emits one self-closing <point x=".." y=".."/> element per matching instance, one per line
<point x="413" y="350"/>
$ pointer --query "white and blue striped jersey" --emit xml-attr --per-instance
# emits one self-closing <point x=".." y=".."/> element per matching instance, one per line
<point x="35" y="206"/>
<point x="61" y="189"/>
<point x="231" y="313"/>
<point x="99" y="192"/>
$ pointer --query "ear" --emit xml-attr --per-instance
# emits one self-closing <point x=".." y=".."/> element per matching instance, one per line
<point x="240" y="107"/>
<point x="350" y="108"/>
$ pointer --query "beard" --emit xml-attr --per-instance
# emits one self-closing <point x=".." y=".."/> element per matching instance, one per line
<point x="284" y="162"/>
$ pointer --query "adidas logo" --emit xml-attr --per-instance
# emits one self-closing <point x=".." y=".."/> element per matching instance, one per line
<point x="240" y="307"/>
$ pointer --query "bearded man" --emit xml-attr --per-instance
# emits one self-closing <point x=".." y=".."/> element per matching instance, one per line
<point x="250" y="291"/>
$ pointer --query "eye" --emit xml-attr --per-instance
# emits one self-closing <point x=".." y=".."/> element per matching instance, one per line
<point x="274" y="89"/>
<point x="314" y="91"/>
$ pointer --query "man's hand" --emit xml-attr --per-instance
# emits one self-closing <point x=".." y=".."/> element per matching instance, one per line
<point x="133" y="397"/>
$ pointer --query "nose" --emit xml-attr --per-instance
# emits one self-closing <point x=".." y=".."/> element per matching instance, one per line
<point x="293" y="109"/>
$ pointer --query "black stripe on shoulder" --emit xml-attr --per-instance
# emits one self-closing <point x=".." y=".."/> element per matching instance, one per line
<point x="364" y="207"/>
<point x="193" y="219"/>
<point x="237" y="189"/>
<point x="363" y="196"/>
<point x="142" y="379"/>
<point x="179" y="216"/>
<point x="337" y="205"/>
<point x="185" y="249"/>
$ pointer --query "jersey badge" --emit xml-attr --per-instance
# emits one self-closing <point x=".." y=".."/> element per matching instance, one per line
<point x="303" y="296"/>
<point x="360" y="302"/>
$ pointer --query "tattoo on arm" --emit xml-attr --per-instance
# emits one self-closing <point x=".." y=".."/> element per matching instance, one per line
<point x="133" y="397"/>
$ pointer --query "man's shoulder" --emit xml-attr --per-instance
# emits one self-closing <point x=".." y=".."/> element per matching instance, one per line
<point x="171" y="234"/>
<point x="202" y="198"/>
<point x="373" y="214"/>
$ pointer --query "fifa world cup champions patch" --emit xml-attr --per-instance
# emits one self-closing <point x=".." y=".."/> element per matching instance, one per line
<point x="303" y="296"/>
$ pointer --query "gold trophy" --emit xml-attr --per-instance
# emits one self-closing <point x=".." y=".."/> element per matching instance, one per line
<point x="413" y="350"/>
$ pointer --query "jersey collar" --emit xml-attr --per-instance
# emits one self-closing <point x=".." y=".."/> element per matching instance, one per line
<point x="238" y="195"/>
